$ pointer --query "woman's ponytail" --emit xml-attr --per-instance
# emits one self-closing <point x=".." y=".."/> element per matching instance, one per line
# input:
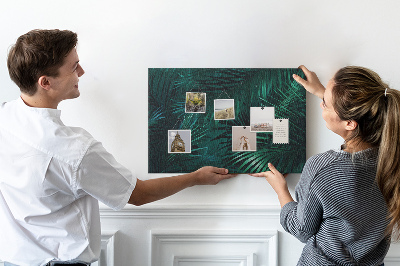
<point x="359" y="94"/>
<point x="388" y="172"/>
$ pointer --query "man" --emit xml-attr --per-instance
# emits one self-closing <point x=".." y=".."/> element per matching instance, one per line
<point x="51" y="175"/>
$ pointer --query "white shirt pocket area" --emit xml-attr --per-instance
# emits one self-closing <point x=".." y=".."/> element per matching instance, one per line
<point x="43" y="217"/>
<point x="30" y="192"/>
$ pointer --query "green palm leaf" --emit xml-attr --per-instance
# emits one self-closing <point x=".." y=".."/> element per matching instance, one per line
<point x="212" y="139"/>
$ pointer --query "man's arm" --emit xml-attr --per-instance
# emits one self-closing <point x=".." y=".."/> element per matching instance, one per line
<point x="155" y="189"/>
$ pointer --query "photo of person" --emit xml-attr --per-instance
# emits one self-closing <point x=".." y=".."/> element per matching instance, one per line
<point x="243" y="139"/>
<point x="195" y="102"/>
<point x="179" y="141"/>
<point x="262" y="119"/>
<point x="224" y="109"/>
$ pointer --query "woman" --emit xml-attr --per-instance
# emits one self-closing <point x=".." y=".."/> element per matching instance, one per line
<point x="348" y="200"/>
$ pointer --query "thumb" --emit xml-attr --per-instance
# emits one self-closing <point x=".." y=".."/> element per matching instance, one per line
<point x="221" y="171"/>
<point x="273" y="169"/>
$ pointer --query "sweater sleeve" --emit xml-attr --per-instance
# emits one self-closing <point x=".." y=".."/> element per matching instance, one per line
<point x="302" y="218"/>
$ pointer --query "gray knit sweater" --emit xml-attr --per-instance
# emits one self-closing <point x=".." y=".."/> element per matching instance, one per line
<point x="340" y="213"/>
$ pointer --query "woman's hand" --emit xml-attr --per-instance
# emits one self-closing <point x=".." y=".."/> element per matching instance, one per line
<point x="278" y="183"/>
<point x="312" y="84"/>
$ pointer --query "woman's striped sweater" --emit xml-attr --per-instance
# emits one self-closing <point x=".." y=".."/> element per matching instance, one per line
<point x="340" y="213"/>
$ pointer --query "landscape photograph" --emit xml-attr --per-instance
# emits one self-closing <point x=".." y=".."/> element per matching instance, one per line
<point x="224" y="109"/>
<point x="262" y="119"/>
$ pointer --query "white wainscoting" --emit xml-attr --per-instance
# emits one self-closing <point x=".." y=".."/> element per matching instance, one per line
<point x="107" y="249"/>
<point x="205" y="235"/>
<point x="393" y="260"/>
<point x="202" y="247"/>
<point x="200" y="236"/>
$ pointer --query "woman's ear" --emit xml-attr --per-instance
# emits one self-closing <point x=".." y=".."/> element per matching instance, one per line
<point x="351" y="125"/>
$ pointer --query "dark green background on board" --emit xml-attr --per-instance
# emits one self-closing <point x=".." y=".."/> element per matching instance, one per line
<point x="212" y="139"/>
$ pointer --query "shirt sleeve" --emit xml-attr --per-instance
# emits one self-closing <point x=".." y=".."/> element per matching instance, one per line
<point x="303" y="218"/>
<point x="102" y="177"/>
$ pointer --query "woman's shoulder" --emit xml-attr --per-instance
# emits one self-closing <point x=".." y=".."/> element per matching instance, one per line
<point x="333" y="161"/>
<point x="328" y="161"/>
<point x="323" y="159"/>
<point x="340" y="156"/>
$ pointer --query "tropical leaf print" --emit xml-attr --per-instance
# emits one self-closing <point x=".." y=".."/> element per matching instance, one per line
<point x="211" y="140"/>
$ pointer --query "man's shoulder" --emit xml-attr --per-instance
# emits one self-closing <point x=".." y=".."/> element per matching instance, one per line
<point x="43" y="130"/>
<point x="68" y="144"/>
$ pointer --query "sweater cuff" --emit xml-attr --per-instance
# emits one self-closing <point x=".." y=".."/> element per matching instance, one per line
<point x="286" y="209"/>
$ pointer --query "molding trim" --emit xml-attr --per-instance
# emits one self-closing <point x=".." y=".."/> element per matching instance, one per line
<point x="244" y="247"/>
<point x="392" y="259"/>
<point x="183" y="211"/>
<point x="249" y="260"/>
<point x="107" y="253"/>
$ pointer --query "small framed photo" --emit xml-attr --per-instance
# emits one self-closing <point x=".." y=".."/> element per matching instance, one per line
<point x="224" y="109"/>
<point x="243" y="139"/>
<point x="179" y="141"/>
<point x="262" y="119"/>
<point x="195" y="102"/>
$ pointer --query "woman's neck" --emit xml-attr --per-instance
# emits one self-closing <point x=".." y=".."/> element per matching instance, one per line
<point x="355" y="146"/>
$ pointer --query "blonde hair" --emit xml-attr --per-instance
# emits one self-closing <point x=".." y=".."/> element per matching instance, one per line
<point x="359" y="94"/>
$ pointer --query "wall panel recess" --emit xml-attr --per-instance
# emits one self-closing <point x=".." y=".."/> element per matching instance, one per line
<point x="203" y="247"/>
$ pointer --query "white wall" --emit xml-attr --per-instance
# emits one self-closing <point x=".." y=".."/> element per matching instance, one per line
<point x="120" y="40"/>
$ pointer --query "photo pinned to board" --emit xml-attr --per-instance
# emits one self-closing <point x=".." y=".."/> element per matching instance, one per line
<point x="262" y="119"/>
<point x="243" y="139"/>
<point x="195" y="102"/>
<point x="224" y="109"/>
<point x="179" y="141"/>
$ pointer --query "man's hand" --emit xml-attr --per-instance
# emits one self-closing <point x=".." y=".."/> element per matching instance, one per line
<point x="155" y="189"/>
<point x="209" y="175"/>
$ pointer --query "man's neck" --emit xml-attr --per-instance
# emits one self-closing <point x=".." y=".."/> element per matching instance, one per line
<point x="37" y="101"/>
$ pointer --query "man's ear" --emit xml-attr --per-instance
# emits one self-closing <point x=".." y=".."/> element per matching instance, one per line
<point x="351" y="125"/>
<point x="44" y="82"/>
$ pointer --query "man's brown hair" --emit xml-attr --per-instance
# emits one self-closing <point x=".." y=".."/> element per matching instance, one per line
<point x="38" y="53"/>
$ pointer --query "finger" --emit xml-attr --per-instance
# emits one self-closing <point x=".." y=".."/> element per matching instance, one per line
<point x="285" y="175"/>
<point x="258" y="175"/>
<point x="223" y="177"/>
<point x="229" y="176"/>
<point x="273" y="169"/>
<point x="221" y="171"/>
<point x="299" y="80"/>
<point x="304" y="69"/>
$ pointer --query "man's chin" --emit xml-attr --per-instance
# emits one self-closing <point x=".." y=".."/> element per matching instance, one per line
<point x="77" y="94"/>
<point x="74" y="96"/>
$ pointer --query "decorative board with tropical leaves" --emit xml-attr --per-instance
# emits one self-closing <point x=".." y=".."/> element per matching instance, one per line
<point x="182" y="103"/>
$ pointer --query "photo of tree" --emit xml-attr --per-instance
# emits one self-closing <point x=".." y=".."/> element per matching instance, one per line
<point x="211" y="139"/>
<point x="195" y="102"/>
